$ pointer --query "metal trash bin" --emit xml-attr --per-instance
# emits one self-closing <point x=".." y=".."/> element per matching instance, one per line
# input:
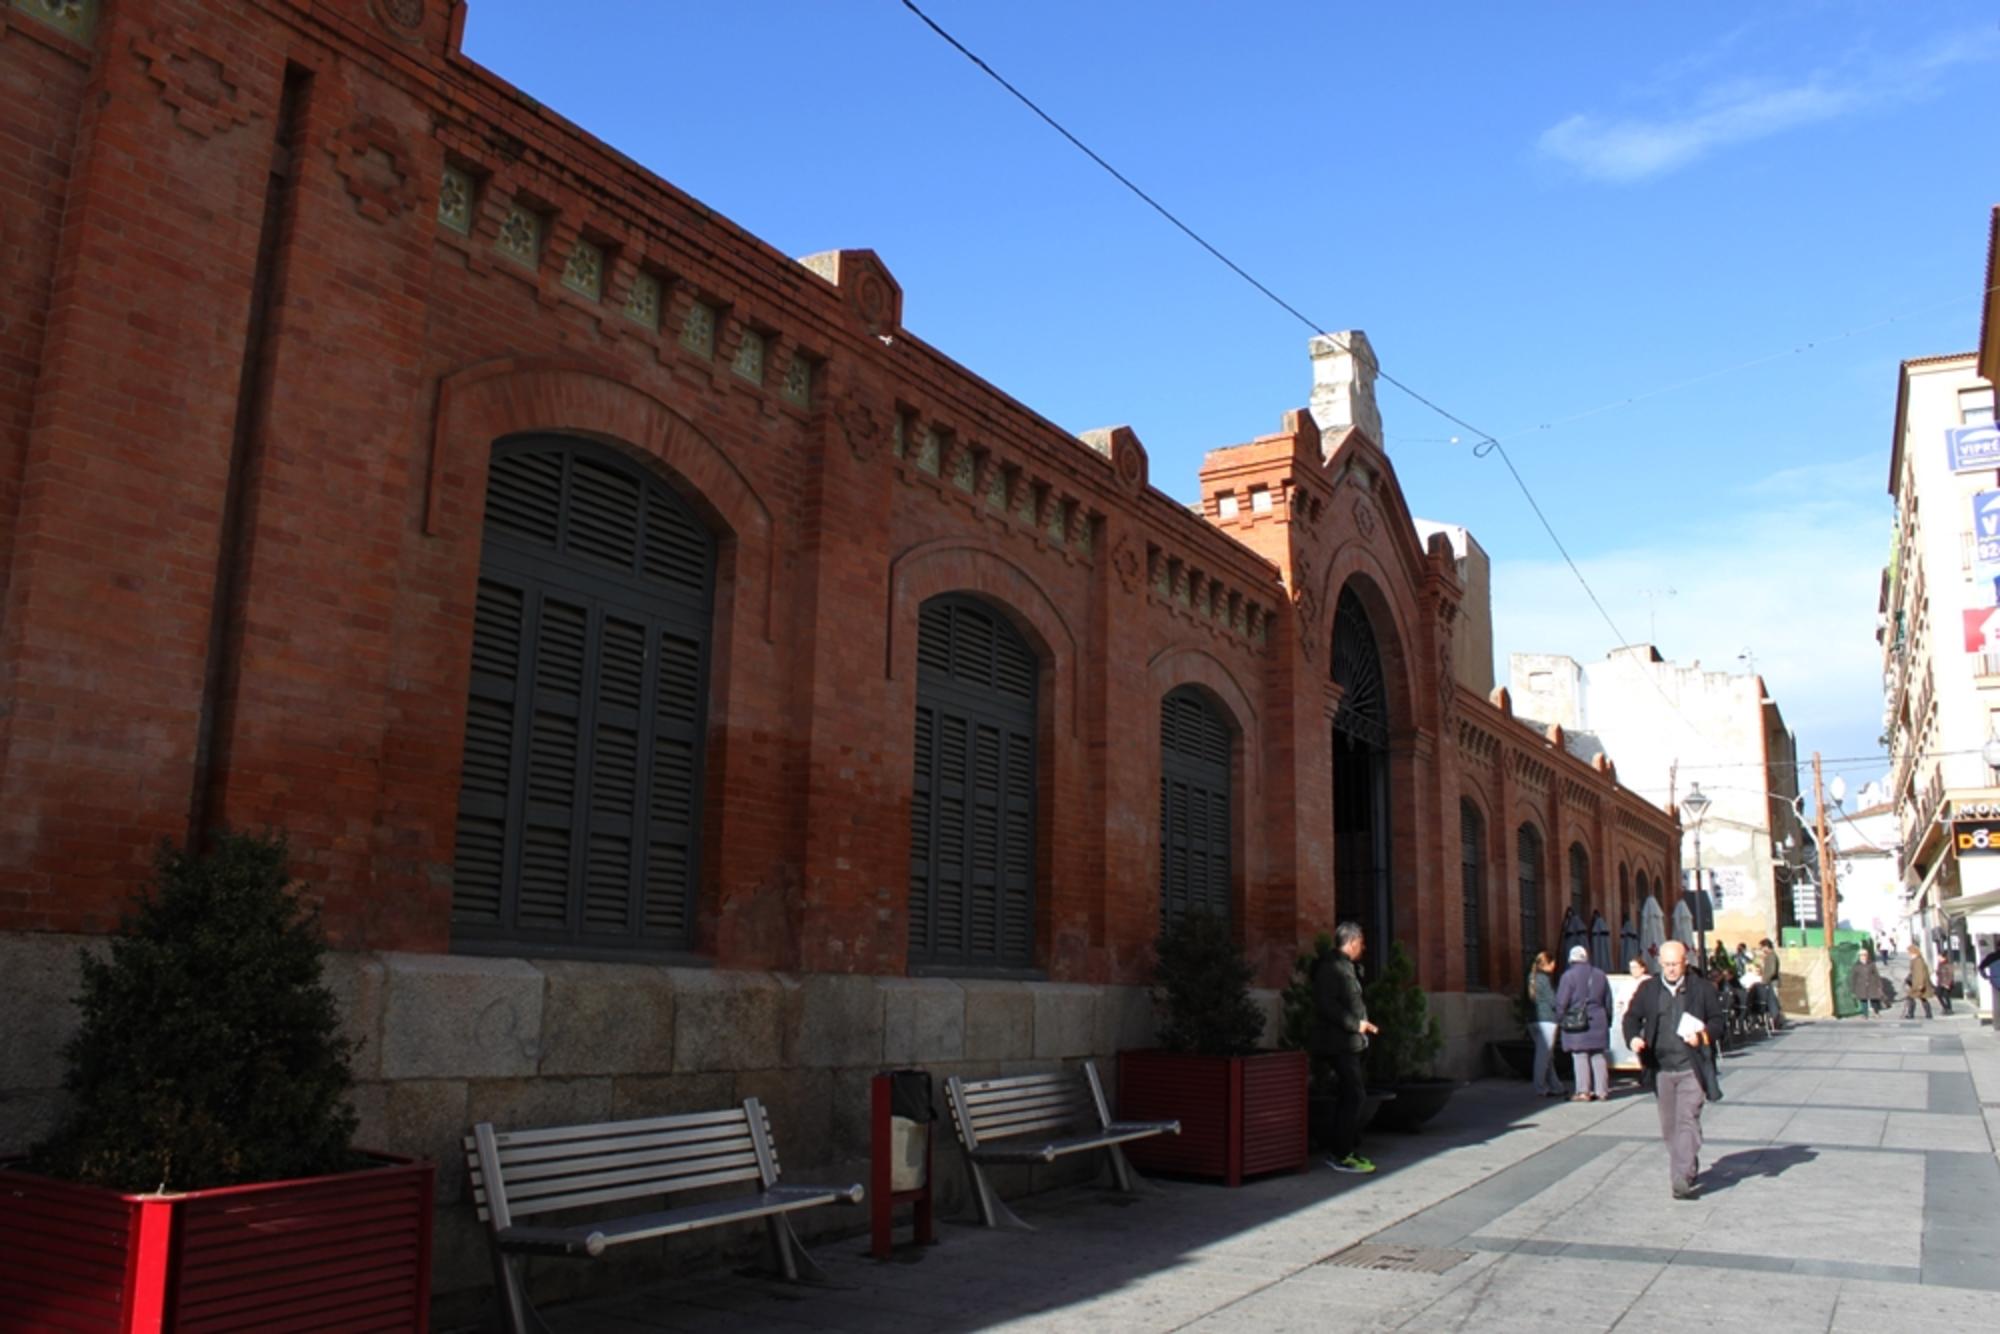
<point x="900" y="1134"/>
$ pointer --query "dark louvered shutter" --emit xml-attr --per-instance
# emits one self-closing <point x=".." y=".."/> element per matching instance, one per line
<point x="1194" y="807"/>
<point x="1528" y="858"/>
<point x="972" y="818"/>
<point x="1471" y="884"/>
<point x="1579" y="881"/>
<point x="579" y="798"/>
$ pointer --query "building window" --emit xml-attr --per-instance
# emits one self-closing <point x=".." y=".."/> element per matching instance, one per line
<point x="580" y="798"/>
<point x="1528" y="857"/>
<point x="972" y="810"/>
<point x="1579" y="882"/>
<point x="1975" y="406"/>
<point x="1194" y="807"/>
<point x="1471" y="888"/>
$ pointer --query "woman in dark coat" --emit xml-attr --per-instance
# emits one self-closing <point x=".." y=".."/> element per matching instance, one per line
<point x="1583" y="984"/>
<point x="1866" y="984"/>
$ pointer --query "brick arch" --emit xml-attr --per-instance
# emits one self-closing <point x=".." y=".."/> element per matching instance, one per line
<point x="520" y="395"/>
<point x="1393" y="619"/>
<point x="955" y="565"/>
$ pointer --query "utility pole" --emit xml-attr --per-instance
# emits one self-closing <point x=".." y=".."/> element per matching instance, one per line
<point x="1828" y="897"/>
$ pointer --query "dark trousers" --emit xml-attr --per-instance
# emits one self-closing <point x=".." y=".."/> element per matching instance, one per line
<point x="1910" y="1007"/>
<point x="1347" y="1108"/>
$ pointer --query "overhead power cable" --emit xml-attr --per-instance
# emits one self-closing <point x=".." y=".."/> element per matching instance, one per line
<point x="1486" y="442"/>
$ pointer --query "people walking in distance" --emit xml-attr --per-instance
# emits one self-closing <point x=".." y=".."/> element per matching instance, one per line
<point x="1944" y="976"/>
<point x="1864" y="980"/>
<point x="1767" y="972"/>
<point x="1542" y="1024"/>
<point x="1340" y="1034"/>
<point x="1583" y="1013"/>
<point x="1918" y="986"/>
<point x="1672" y="1026"/>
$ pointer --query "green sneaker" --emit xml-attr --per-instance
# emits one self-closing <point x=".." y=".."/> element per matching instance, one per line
<point x="1353" y="1162"/>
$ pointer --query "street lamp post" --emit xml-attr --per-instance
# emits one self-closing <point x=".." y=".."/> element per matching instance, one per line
<point x="1696" y="804"/>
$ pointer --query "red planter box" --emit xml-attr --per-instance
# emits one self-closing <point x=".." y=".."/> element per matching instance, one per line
<point x="1240" y="1115"/>
<point x="351" y="1251"/>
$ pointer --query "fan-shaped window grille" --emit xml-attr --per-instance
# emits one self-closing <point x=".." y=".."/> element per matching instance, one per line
<point x="1357" y="670"/>
<point x="972" y="812"/>
<point x="579" y="804"/>
<point x="1194" y="807"/>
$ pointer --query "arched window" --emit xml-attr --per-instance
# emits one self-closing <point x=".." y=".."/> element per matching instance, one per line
<point x="972" y="811"/>
<point x="1362" y="845"/>
<point x="1579" y="881"/>
<point x="1528" y="858"/>
<point x="1620" y="909"/>
<point x="1194" y="807"/>
<point x="1471" y="883"/>
<point x="580" y="797"/>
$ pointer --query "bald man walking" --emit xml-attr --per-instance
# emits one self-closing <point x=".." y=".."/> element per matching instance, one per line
<point x="1673" y="1024"/>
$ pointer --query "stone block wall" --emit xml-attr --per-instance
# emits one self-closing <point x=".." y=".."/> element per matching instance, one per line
<point x="448" y="1041"/>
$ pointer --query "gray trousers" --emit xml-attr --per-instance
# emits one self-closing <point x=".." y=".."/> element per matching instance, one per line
<point x="1681" y="1101"/>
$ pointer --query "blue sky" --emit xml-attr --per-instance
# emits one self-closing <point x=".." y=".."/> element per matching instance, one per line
<point x="1535" y="211"/>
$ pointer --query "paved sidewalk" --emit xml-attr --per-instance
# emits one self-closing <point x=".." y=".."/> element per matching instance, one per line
<point x="1849" y="1183"/>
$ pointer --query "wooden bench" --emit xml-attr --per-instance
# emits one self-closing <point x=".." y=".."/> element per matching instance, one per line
<point x="1038" y="1119"/>
<point x="519" y="1173"/>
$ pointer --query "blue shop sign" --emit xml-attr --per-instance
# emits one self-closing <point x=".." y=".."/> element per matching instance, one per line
<point x="1986" y="530"/>
<point x="1973" y="448"/>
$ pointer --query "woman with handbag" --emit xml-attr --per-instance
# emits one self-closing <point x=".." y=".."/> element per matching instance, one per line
<point x="1583" y="1013"/>
<point x="1542" y="1024"/>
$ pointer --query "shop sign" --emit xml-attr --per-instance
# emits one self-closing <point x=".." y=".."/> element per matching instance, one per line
<point x="1974" y="838"/>
<point x="1973" y="448"/>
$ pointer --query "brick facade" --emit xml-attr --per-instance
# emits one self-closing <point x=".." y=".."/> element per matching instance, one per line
<point x="250" y="379"/>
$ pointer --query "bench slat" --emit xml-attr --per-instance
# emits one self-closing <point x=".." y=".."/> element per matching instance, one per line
<point x="1015" y="1083"/>
<point x="578" y="1198"/>
<point x="1040" y="1126"/>
<point x="670" y="1161"/>
<point x="523" y="1189"/>
<point x="1061" y="1111"/>
<point x="688" y="1120"/>
<point x="583" y="1147"/>
<point x="1025" y="1097"/>
<point x="643" y="1227"/>
<point x="1050" y="1150"/>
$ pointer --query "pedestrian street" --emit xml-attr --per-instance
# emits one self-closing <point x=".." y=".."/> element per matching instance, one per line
<point x="1849" y="1182"/>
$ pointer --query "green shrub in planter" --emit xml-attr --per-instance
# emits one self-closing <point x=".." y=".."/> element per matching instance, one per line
<point x="1204" y="985"/>
<point x="210" y="1051"/>
<point x="1298" y="1010"/>
<point x="1411" y="1036"/>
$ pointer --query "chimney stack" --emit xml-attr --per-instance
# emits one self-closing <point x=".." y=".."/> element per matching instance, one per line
<point x="1343" y="393"/>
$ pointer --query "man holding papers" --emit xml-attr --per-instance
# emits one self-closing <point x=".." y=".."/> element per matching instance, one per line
<point x="1673" y="1024"/>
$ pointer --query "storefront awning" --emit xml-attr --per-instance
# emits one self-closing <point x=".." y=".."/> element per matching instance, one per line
<point x="1967" y="904"/>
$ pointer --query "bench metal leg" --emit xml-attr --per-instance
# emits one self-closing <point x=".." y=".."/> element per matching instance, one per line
<point x="993" y="1210"/>
<point x="794" y="1260"/>
<point x="1124" y="1177"/>
<point x="514" y="1306"/>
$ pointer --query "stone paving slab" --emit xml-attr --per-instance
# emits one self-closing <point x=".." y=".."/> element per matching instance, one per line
<point x="1560" y="1210"/>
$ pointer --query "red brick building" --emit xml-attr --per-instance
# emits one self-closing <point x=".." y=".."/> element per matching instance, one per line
<point x="579" y="580"/>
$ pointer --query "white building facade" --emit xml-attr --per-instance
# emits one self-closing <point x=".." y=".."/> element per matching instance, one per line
<point x="1669" y="727"/>
<point x="1939" y="627"/>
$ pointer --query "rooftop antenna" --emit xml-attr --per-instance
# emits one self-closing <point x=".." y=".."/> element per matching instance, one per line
<point x="1653" y="596"/>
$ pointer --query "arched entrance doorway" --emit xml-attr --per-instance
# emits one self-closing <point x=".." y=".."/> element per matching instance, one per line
<point x="1360" y="775"/>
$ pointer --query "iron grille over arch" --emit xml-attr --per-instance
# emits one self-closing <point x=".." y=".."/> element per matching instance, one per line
<point x="1528" y="856"/>
<point x="1194" y="806"/>
<point x="1472" y="878"/>
<point x="580" y="792"/>
<point x="972" y="808"/>
<point x="1357" y="670"/>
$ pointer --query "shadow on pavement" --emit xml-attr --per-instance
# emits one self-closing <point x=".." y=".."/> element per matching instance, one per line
<point x="1769" y="1162"/>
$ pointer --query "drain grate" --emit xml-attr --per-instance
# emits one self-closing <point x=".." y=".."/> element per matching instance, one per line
<point x="1401" y="1259"/>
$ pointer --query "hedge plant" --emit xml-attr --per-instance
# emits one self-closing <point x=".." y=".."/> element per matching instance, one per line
<point x="210" y="1051"/>
<point x="1204" y="989"/>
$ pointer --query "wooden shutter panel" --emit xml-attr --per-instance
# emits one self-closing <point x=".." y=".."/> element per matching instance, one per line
<point x="1472" y="862"/>
<point x="580" y="793"/>
<point x="1528" y="847"/>
<point x="972" y="822"/>
<point x="1195" y="819"/>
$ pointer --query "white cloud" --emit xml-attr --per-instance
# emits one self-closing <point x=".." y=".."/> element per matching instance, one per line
<point x="1740" y="110"/>
<point x="1787" y="566"/>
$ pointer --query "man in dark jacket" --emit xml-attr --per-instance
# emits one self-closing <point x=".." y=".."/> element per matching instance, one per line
<point x="1673" y="1024"/>
<point x="1340" y="1034"/>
